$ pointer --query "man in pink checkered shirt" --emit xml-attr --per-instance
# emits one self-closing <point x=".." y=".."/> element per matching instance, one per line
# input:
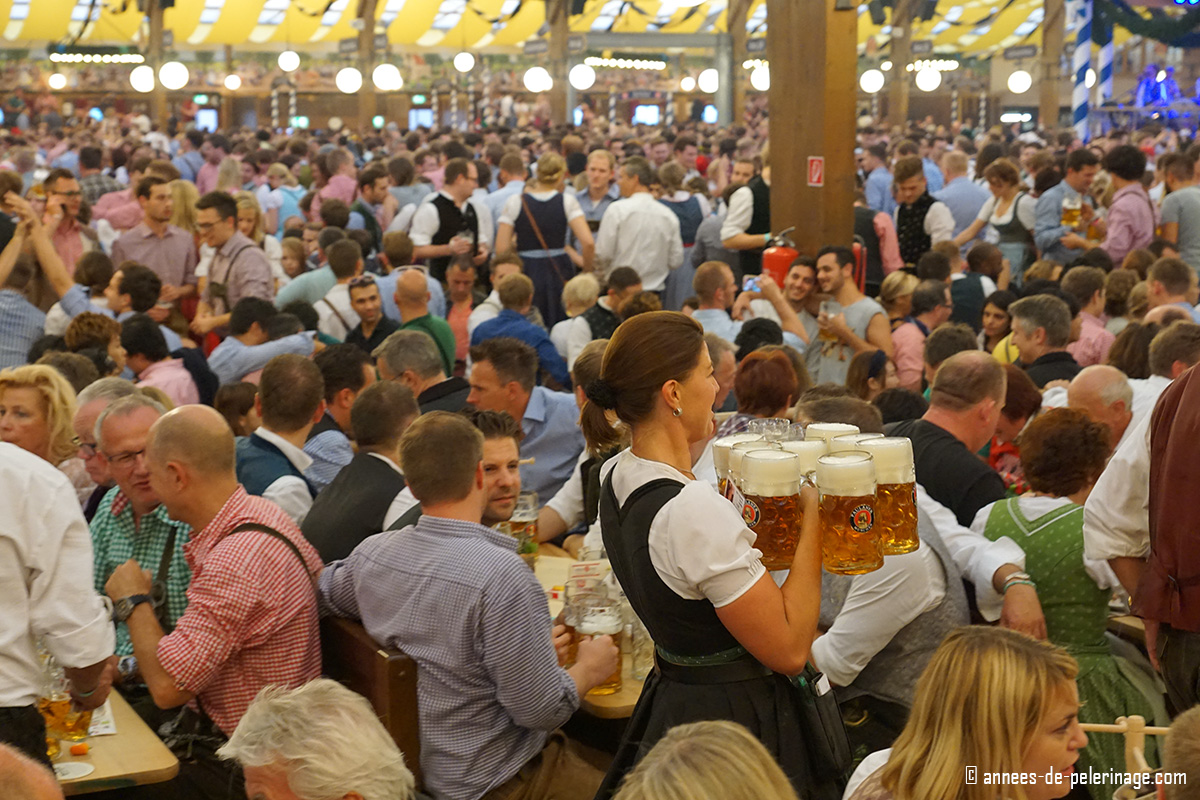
<point x="252" y="609"/>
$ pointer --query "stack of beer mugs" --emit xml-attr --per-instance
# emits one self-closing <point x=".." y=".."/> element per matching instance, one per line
<point x="867" y="486"/>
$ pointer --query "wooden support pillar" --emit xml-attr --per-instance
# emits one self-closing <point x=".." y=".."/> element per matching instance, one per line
<point x="814" y="84"/>
<point x="226" y="95"/>
<point x="901" y="52"/>
<point x="1054" y="32"/>
<point x="154" y="57"/>
<point x="366" y="63"/>
<point x="560" y="30"/>
<point x="736" y="23"/>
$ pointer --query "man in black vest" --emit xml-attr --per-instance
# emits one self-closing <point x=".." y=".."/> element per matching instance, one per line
<point x="362" y="500"/>
<point x="601" y="320"/>
<point x="372" y="195"/>
<point x="448" y="226"/>
<point x="747" y="226"/>
<point x="921" y="221"/>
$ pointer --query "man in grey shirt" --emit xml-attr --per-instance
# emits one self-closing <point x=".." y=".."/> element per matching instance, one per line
<point x="1181" y="209"/>
<point x="850" y="323"/>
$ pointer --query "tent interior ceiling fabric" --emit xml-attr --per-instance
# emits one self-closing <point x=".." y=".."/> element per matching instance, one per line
<point x="973" y="27"/>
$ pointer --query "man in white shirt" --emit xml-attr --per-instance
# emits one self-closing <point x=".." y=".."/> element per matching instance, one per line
<point x="921" y="221"/>
<point x="1172" y="351"/>
<point x="271" y="461"/>
<point x="638" y="231"/>
<point x="1104" y="394"/>
<point x="449" y="224"/>
<point x="336" y="312"/>
<point x="46" y="592"/>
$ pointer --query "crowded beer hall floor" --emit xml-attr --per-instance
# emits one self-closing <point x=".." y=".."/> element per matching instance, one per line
<point x="509" y="459"/>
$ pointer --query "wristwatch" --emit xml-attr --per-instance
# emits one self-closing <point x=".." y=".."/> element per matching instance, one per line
<point x="125" y="606"/>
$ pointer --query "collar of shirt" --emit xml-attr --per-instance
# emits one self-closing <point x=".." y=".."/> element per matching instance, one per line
<point x="121" y="504"/>
<point x="535" y="409"/>
<point x="441" y="526"/>
<point x="388" y="461"/>
<point x="300" y="459"/>
<point x="459" y="206"/>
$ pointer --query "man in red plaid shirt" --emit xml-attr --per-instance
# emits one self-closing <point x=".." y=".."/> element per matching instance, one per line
<point x="252" y="610"/>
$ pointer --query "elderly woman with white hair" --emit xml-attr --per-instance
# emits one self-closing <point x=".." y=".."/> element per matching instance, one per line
<point x="317" y="742"/>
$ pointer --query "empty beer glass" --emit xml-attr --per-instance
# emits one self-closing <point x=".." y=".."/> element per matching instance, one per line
<point x="840" y="444"/>
<point x="849" y="540"/>
<point x="720" y="453"/>
<point x="895" y="492"/>
<point x="771" y="485"/>
<point x="828" y="430"/>
<point x="807" y="452"/>
<point x="773" y="429"/>
<point x="601" y="620"/>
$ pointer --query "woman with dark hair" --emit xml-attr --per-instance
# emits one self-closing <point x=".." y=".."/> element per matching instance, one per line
<point x="765" y="387"/>
<point x="987" y="154"/>
<point x="870" y="373"/>
<point x="1012" y="212"/>
<point x="997" y="322"/>
<point x="1022" y="401"/>
<point x="1063" y="452"/>
<point x="1130" y="351"/>
<point x="235" y="401"/>
<point x="727" y="637"/>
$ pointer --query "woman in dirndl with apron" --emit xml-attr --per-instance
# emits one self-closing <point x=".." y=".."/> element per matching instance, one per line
<point x="540" y="218"/>
<point x="730" y="644"/>
<point x="1012" y="212"/>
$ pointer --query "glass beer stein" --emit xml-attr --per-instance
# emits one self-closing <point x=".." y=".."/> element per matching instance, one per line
<point x="737" y="453"/>
<point x="771" y="485"/>
<point x="807" y="452"/>
<point x="825" y="431"/>
<point x="896" y="493"/>
<point x="720" y="452"/>
<point x="600" y="620"/>
<point x="773" y="429"/>
<point x="849" y="538"/>
<point x="840" y="444"/>
<point x="1072" y="210"/>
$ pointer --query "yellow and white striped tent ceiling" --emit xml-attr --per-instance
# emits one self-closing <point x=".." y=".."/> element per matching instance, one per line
<point x="973" y="27"/>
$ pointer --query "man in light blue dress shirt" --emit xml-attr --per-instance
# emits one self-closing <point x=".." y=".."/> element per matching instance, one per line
<point x="512" y="182"/>
<point x="961" y="195"/>
<point x="503" y="374"/>
<point x="1062" y="243"/>
<point x="878" y="187"/>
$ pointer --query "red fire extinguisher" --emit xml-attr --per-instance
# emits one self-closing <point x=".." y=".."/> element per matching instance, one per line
<point x="778" y="257"/>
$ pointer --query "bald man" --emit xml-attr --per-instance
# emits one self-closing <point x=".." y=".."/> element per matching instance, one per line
<point x="251" y="619"/>
<point x="1104" y="394"/>
<point x="412" y="299"/>
<point x="22" y="778"/>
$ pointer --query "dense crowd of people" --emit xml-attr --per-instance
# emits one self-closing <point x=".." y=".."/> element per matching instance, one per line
<point x="248" y="379"/>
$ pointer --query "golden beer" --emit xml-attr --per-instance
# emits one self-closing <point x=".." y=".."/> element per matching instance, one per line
<point x="771" y="484"/>
<point x="63" y="721"/>
<point x="720" y="453"/>
<point x="1072" y="211"/>
<point x="896" y="491"/>
<point x="849" y="537"/>
<point x="572" y="648"/>
<point x="603" y="621"/>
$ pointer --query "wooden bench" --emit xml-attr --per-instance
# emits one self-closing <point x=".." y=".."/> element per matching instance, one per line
<point x="387" y="678"/>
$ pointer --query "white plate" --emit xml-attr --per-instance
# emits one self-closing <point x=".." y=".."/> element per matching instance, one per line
<point x="73" y="770"/>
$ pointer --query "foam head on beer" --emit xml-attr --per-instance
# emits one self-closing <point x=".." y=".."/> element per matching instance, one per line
<point x="846" y="474"/>
<point x="722" y="446"/>
<point x="839" y="444"/>
<point x="739" y="450"/>
<point x="807" y="453"/>
<point x="829" y="430"/>
<point x="770" y="473"/>
<point x="893" y="457"/>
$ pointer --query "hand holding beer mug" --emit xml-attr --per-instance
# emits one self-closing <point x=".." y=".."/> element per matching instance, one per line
<point x="1072" y="210"/>
<point x="849" y="539"/>
<point x="604" y="620"/>
<point x="771" y="485"/>
<point x="896" y="492"/>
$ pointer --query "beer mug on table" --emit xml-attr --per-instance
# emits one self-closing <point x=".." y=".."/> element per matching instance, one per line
<point x="1072" y="210"/>
<point x="827" y="431"/>
<point x="807" y="452"/>
<point x="720" y="452"/>
<point x="849" y="539"/>
<point x="895" y="493"/>
<point x="604" y="619"/>
<point x="771" y="485"/>
<point x="840" y="444"/>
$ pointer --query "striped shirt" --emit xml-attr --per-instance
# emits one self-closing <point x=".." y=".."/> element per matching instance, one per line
<point x="457" y="598"/>
<point x="21" y="325"/>
<point x="116" y="539"/>
<point x="251" y="619"/>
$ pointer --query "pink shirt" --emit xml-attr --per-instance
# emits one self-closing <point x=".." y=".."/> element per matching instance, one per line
<point x="173" y="378"/>
<point x="908" y="351"/>
<point x="119" y="209"/>
<point x="206" y="178"/>
<point x="1094" y="341"/>
<point x="69" y="242"/>
<point x="889" y="243"/>
<point x="341" y="187"/>
<point x="1132" y="219"/>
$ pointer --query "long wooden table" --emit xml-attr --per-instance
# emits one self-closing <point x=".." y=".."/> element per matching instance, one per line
<point x="132" y="756"/>
<point x="551" y="572"/>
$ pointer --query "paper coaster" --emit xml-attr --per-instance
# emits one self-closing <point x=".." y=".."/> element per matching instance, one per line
<point x="73" y="770"/>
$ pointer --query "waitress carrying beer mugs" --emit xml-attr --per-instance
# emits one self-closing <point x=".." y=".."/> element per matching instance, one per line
<point x="726" y="636"/>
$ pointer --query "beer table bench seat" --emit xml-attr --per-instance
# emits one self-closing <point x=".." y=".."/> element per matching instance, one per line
<point x="132" y="756"/>
<point x="553" y="572"/>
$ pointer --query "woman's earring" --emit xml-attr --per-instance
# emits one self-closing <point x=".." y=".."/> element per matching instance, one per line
<point x="678" y="412"/>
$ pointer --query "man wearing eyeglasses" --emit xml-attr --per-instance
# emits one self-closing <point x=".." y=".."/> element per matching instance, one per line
<point x="131" y="522"/>
<point x="239" y="267"/>
<point x="63" y="199"/>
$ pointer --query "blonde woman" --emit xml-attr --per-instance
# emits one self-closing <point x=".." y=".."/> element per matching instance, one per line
<point x="540" y="219"/>
<point x="286" y="192"/>
<point x="229" y="175"/>
<point x="37" y="406"/>
<point x="713" y="760"/>
<point x="184" y="195"/>
<point x="895" y="295"/>
<point x="580" y="294"/>
<point x="992" y="700"/>
<point x="250" y="223"/>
